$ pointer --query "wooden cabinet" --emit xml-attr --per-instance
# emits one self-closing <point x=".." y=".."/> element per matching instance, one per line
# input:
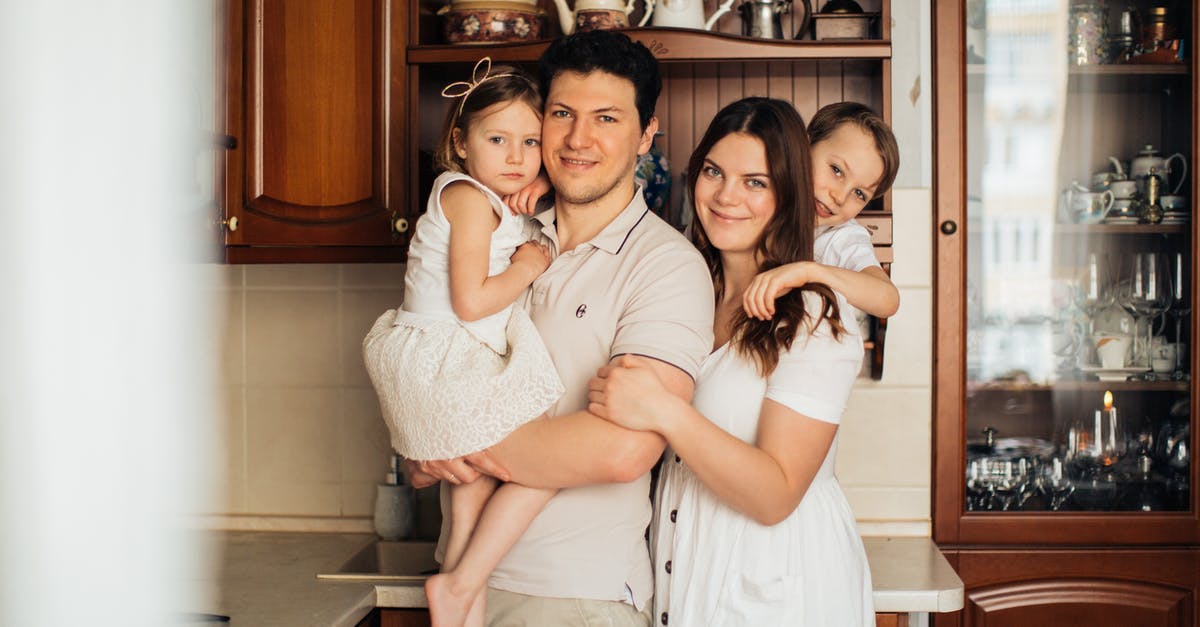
<point x="1020" y="588"/>
<point x="1055" y="504"/>
<point x="315" y="112"/>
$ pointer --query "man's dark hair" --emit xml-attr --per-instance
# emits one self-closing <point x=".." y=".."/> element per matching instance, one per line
<point x="606" y="51"/>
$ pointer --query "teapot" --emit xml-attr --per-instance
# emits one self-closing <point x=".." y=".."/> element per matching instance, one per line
<point x="687" y="14"/>
<point x="598" y="14"/>
<point x="761" y="18"/>
<point x="1149" y="158"/>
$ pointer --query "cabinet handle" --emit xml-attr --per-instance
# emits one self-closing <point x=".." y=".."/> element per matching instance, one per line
<point x="400" y="225"/>
<point x="949" y="227"/>
<point x="230" y="223"/>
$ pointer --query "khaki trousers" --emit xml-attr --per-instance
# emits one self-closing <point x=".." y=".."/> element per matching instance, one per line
<point x="510" y="609"/>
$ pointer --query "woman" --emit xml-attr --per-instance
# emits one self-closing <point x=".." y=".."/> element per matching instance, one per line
<point x="751" y="527"/>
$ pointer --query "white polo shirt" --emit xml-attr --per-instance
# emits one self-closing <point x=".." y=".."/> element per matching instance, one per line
<point x="638" y="287"/>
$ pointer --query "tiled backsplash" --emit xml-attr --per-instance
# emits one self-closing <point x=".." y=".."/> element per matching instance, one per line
<point x="303" y="435"/>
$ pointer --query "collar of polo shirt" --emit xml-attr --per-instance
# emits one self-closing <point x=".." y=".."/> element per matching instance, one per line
<point x="610" y="238"/>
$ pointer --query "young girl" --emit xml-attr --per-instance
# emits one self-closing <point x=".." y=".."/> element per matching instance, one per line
<point x="459" y="367"/>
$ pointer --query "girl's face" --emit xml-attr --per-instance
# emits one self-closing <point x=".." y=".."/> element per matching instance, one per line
<point x="846" y="168"/>
<point x="502" y="148"/>
<point x="734" y="196"/>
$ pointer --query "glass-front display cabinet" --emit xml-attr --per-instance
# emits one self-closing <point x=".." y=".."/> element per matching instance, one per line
<point x="1065" y="339"/>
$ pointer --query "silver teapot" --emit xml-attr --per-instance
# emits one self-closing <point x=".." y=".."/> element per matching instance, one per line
<point x="761" y="18"/>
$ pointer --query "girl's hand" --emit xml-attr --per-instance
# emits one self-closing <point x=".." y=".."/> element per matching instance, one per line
<point x="759" y="298"/>
<point x="525" y="201"/>
<point x="534" y="256"/>
<point x="630" y="395"/>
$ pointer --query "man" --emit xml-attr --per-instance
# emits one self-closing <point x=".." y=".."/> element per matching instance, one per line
<point x="622" y="282"/>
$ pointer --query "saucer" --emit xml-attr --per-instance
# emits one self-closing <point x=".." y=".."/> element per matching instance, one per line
<point x="1119" y="221"/>
<point x="1113" y="374"/>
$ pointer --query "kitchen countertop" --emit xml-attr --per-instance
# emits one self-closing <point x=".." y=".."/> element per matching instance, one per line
<point x="268" y="579"/>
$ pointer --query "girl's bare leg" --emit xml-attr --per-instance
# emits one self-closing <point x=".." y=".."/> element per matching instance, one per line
<point x="456" y="596"/>
<point x="466" y="505"/>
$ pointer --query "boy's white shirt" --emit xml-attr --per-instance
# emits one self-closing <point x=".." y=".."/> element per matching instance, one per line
<point x="847" y="245"/>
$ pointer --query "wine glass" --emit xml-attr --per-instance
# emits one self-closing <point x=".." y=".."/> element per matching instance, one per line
<point x="1145" y="293"/>
<point x="1094" y="292"/>
<point x="1180" y="304"/>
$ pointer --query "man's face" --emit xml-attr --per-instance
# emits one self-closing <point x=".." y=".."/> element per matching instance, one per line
<point x="591" y="138"/>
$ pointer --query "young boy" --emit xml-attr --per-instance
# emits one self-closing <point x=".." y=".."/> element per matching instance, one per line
<point x="855" y="159"/>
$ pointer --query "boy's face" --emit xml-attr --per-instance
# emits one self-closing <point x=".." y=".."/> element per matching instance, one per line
<point x="846" y="168"/>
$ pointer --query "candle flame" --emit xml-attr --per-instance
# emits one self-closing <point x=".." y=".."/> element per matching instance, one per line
<point x="1108" y="399"/>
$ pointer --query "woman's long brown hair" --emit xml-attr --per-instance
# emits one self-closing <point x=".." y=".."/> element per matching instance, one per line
<point x="787" y="237"/>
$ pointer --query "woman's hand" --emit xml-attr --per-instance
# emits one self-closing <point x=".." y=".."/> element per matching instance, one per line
<point x="631" y="395"/>
<point x="759" y="299"/>
<point x="525" y="201"/>
<point x="533" y="256"/>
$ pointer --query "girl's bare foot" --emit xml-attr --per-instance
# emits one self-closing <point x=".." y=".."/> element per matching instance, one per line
<point x="448" y="607"/>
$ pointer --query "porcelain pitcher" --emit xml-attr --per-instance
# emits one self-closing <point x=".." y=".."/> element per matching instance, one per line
<point x="687" y="14"/>
<point x="598" y="14"/>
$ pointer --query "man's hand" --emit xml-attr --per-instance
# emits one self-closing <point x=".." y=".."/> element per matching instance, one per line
<point x="457" y="471"/>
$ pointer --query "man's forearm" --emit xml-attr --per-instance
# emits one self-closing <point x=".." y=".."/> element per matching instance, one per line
<point x="577" y="449"/>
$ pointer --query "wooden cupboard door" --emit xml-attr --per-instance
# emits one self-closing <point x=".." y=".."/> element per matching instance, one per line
<point x="404" y="618"/>
<point x="311" y="91"/>
<point x="1118" y="588"/>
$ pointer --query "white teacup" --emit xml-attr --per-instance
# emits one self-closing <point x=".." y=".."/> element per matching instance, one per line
<point x="1123" y="189"/>
<point x="1112" y="350"/>
<point x="1163" y="357"/>
<point x="1172" y="202"/>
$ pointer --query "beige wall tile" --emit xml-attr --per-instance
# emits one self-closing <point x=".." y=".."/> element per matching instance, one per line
<point x="230" y="439"/>
<point x="232" y="356"/>
<point x="389" y="276"/>
<point x="304" y="275"/>
<point x="293" y="435"/>
<point x="908" y="347"/>
<point x="358" y="498"/>
<point x="291" y="498"/>
<point x="912" y="211"/>
<point x="360" y="309"/>
<point x="366" y="447"/>
<point x="884" y="439"/>
<point x="292" y="337"/>
<point x="873" y="503"/>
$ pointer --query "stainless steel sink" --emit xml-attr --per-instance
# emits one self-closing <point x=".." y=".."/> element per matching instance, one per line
<point x="388" y="561"/>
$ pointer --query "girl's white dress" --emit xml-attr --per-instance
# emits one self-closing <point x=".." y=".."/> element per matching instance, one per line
<point x="715" y="566"/>
<point x="448" y="387"/>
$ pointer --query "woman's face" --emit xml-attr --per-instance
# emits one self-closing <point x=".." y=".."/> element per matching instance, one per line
<point x="734" y="195"/>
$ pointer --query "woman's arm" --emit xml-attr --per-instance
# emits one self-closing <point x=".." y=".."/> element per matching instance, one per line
<point x="765" y="481"/>
<point x="869" y="289"/>
<point x="473" y="293"/>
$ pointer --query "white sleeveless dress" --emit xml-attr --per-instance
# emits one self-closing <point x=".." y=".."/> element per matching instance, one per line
<point x="448" y="387"/>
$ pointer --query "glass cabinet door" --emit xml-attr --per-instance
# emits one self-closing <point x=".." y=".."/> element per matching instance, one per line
<point x="1078" y="257"/>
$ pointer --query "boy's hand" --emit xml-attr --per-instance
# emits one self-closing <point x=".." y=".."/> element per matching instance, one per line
<point x="534" y="256"/>
<point x="525" y="201"/>
<point x="759" y="298"/>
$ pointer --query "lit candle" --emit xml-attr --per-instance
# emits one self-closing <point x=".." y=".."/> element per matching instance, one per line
<point x="1106" y="447"/>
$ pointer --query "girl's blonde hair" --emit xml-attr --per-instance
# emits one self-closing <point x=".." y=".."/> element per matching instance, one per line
<point x="502" y="83"/>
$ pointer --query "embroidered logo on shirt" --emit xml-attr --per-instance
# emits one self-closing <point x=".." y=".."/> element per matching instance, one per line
<point x="579" y="313"/>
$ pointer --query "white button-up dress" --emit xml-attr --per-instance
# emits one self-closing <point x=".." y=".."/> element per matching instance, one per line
<point x="717" y="567"/>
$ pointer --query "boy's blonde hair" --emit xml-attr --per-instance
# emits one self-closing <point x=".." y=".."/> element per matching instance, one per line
<point x="830" y="117"/>
<point x="502" y="83"/>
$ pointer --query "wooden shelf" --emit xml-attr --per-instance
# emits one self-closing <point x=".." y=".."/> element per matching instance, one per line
<point x="671" y="45"/>
<point x="1121" y="229"/>
<point x="1079" y="386"/>
<point x="1123" y="69"/>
